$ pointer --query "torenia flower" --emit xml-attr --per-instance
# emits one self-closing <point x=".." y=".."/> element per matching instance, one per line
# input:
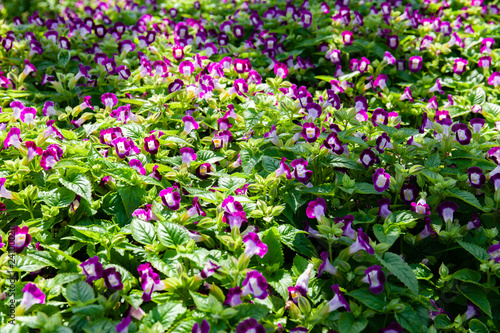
<point x="393" y="327"/>
<point x="302" y="283"/>
<point x="233" y="297"/>
<point x="472" y="311"/>
<point x="113" y="278"/>
<point x="415" y="63"/>
<point x="136" y="164"/>
<point x="460" y="66"/>
<point x="31" y="295"/>
<point x="347" y="229"/>
<point x="4" y="193"/>
<point x="255" y="284"/>
<point x="316" y="209"/>
<point x="381" y="180"/>
<point x="446" y="210"/>
<point x="421" y="207"/>
<point x="150" y="281"/>
<point x="170" y="198"/>
<point x="384" y="205"/>
<point x="204" y="327"/>
<point x="436" y="87"/>
<point x="271" y="135"/>
<point x="253" y="245"/>
<point x="462" y="133"/>
<point x="151" y="144"/>
<point x="380" y="116"/>
<point x="376" y="278"/>
<point x="13" y="138"/>
<point x="494" y="252"/>
<point x="326" y="266"/>
<point x="310" y="132"/>
<point x="338" y="300"/>
<point x="494" y="79"/>
<point x="189" y="125"/>
<point x="208" y="270"/>
<point x="427" y="229"/>
<point x="284" y="169"/>
<point x="476" y="177"/>
<point x="109" y="100"/>
<point x="477" y="124"/>
<point x="28" y="115"/>
<point x="367" y="158"/>
<point x="250" y="325"/>
<point x="22" y="238"/>
<point x="300" y="172"/>
<point x="362" y="243"/>
<point x="281" y="70"/>
<point x="122" y="327"/>
<point x="188" y="155"/>
<point x="92" y="269"/>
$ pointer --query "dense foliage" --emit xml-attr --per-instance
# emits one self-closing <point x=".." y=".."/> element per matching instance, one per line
<point x="279" y="166"/>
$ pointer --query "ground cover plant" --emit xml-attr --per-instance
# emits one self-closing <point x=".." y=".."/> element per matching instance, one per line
<point x="248" y="166"/>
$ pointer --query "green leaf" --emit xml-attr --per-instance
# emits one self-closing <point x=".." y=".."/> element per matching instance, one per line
<point x="256" y="311"/>
<point x="477" y="251"/>
<point x="374" y="301"/>
<point x="477" y="96"/>
<point x="365" y="188"/>
<point x="133" y="131"/>
<point x="63" y="57"/>
<point x="442" y="322"/>
<point x="172" y="235"/>
<point x="79" y="291"/>
<point x="131" y="197"/>
<point x="58" y="197"/>
<point x="409" y="320"/>
<point x="142" y="231"/>
<point x="206" y="303"/>
<point x="324" y="78"/>
<point x="342" y="162"/>
<point x="174" y="139"/>
<point x="387" y="236"/>
<point x="248" y="161"/>
<point x="349" y="324"/>
<point x="465" y="196"/>
<point x="296" y="240"/>
<point x="231" y="183"/>
<point x="475" y="326"/>
<point x="79" y="184"/>
<point x="403" y="219"/>
<point x="400" y="269"/>
<point x="166" y="314"/>
<point x="280" y="281"/>
<point x="274" y="252"/>
<point x="433" y="161"/>
<point x="252" y="118"/>
<point x="476" y="295"/>
<point x="467" y="275"/>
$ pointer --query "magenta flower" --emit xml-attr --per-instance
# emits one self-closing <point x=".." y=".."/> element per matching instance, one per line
<point x="389" y="58"/>
<point x="234" y="219"/>
<point x="299" y="170"/>
<point x="446" y="210"/>
<point x="31" y="295"/>
<point x="203" y="171"/>
<point x="186" y="68"/>
<point x="460" y="66"/>
<point x="233" y="297"/>
<point x="92" y="268"/>
<point x="170" y="198"/>
<point x="333" y="144"/>
<point x="421" y="207"/>
<point x="338" y="300"/>
<point x="347" y="37"/>
<point x="107" y="136"/>
<point x="381" y="81"/>
<point x="204" y="327"/>
<point x="381" y="180"/>
<point x="188" y="155"/>
<point x="380" y="116"/>
<point x="230" y="205"/>
<point x="494" y="79"/>
<point x="150" y="281"/>
<point x="415" y="63"/>
<point x="326" y="266"/>
<point x="284" y="169"/>
<point x="113" y="279"/>
<point x="494" y="252"/>
<point x="255" y="283"/>
<point x="316" y="209"/>
<point x="407" y="95"/>
<point x="375" y="277"/>
<point x="109" y="100"/>
<point x="484" y="62"/>
<point x="189" y="124"/>
<point x="253" y="245"/>
<point x="302" y="283"/>
<point x="363" y="65"/>
<point x="136" y="164"/>
<point x="22" y="238"/>
<point x="271" y="135"/>
<point x="28" y="115"/>
<point x="436" y="87"/>
<point x="208" y="270"/>
<point x="122" y="147"/>
<point x="13" y="138"/>
<point x="281" y="70"/>
<point x="427" y="229"/>
<point x="151" y="144"/>
<point x="362" y="242"/>
<point x="494" y="154"/>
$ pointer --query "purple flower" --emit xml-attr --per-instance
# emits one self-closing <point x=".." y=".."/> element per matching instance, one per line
<point x="281" y="70"/>
<point x="300" y="172"/>
<point x="122" y="327"/>
<point x="460" y="66"/>
<point x="4" y="193"/>
<point x="347" y="225"/>
<point x="176" y="85"/>
<point x="316" y="209"/>
<point x="494" y="252"/>
<point x="233" y="297"/>
<point x="137" y="166"/>
<point x="109" y="100"/>
<point x="208" y="270"/>
<point x="203" y="171"/>
<point x="186" y="68"/>
<point x="302" y="283"/>
<point x="255" y="284"/>
<point x="380" y="116"/>
<point x="421" y="207"/>
<point x="122" y="147"/>
<point x="170" y="198"/>
<point x="381" y="180"/>
<point x="28" y="115"/>
<point x="31" y="295"/>
<point x="230" y="205"/>
<point x="333" y="144"/>
<point x="408" y="193"/>
<point x="188" y="155"/>
<point x="384" y="211"/>
<point x="494" y="79"/>
<point x="113" y="279"/>
<point x="313" y="112"/>
<point x="284" y="169"/>
<point x="250" y="325"/>
<point x="204" y="327"/>
<point x="338" y="300"/>
<point x="367" y="158"/>
<point x="436" y="87"/>
<point x="362" y="243"/>
<point x="446" y="210"/>
<point x="253" y="245"/>
<point x="427" y="229"/>
<point x="477" y="124"/>
<point x="494" y="154"/>
<point x="151" y="144"/>
<point x="150" y="281"/>
<point x="189" y="124"/>
<point x="476" y="177"/>
<point x="472" y="311"/>
<point x="484" y="62"/>
<point x="376" y="278"/>
<point x="326" y="266"/>
<point x="363" y="65"/>
<point x="107" y="136"/>
<point x="310" y="132"/>
<point x="462" y="133"/>
<point x="393" y="327"/>
<point x="495" y="180"/>
<point x="13" y="138"/>
<point x="347" y="37"/>
<point x="381" y="81"/>
<point x="474" y="223"/>
<point x="384" y="141"/>
<point x="92" y="268"/>
<point x="272" y="135"/>
<point x="415" y="63"/>
<point x="22" y="238"/>
<point x="407" y="95"/>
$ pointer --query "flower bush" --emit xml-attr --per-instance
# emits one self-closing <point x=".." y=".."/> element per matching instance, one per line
<point x="248" y="166"/>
